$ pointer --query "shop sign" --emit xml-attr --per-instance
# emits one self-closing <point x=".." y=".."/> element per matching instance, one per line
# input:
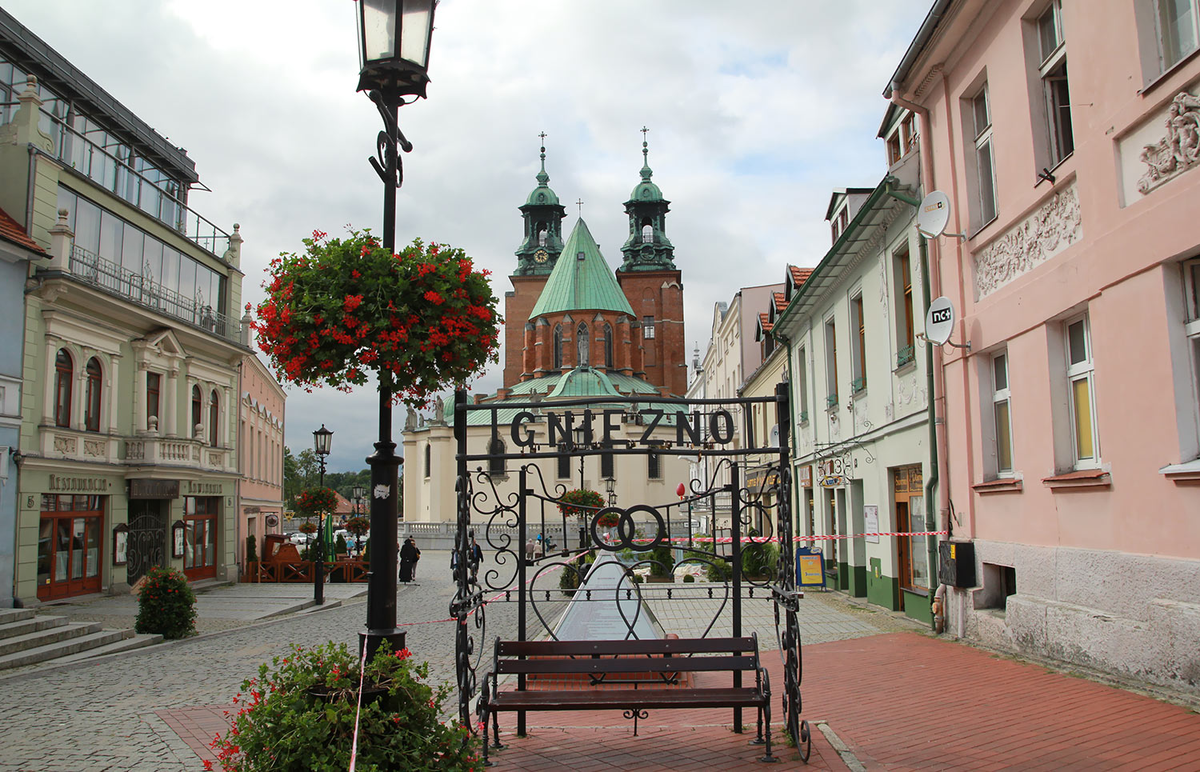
<point x="153" y="489"/>
<point x="761" y="478"/>
<point x="195" y="488"/>
<point x="804" y="475"/>
<point x="810" y="567"/>
<point x="59" y="484"/>
<point x="871" y="522"/>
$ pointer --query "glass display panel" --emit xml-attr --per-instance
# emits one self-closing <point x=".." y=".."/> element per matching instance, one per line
<point x="77" y="532"/>
<point x="62" y="549"/>
<point x="87" y="226"/>
<point x="93" y="547"/>
<point x="45" y="550"/>
<point x="112" y="228"/>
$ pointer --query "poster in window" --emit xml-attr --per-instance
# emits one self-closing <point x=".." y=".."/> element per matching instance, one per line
<point x="177" y="539"/>
<point x="871" y="523"/>
<point x="120" y="545"/>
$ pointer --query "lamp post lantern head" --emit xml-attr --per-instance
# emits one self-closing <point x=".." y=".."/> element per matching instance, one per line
<point x="321" y="439"/>
<point x="610" y="485"/>
<point x="358" y="492"/>
<point x="393" y="46"/>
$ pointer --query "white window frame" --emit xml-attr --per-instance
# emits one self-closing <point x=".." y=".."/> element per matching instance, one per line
<point x="802" y="414"/>
<point x="1166" y="58"/>
<point x="858" y="343"/>
<point x="1060" y="134"/>
<point x="832" y="394"/>
<point x="1082" y="371"/>
<point x="1191" y="324"/>
<point x="984" y="146"/>
<point x="1001" y="395"/>
<point x="647" y="328"/>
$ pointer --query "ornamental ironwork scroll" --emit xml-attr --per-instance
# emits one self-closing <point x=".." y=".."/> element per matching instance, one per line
<point x="542" y="576"/>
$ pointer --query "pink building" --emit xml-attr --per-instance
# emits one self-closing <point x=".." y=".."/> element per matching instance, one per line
<point x="260" y="504"/>
<point x="1065" y="133"/>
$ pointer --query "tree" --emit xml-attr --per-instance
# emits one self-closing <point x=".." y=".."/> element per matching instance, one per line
<point x="300" y="471"/>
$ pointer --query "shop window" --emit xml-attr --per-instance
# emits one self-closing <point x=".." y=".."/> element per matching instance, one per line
<point x="913" y="551"/>
<point x="69" y="545"/>
<point x="200" y="536"/>
<point x="64" y="375"/>
<point x="91" y="414"/>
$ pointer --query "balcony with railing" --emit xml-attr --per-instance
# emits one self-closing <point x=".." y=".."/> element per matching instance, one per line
<point x="114" y="167"/>
<point x="111" y="278"/>
<point x="152" y="450"/>
<point x="904" y="356"/>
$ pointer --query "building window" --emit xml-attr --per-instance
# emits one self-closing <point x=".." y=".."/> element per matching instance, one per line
<point x="802" y="386"/>
<point x="91" y="413"/>
<point x="1177" y="31"/>
<point x="214" y="418"/>
<point x="428" y="459"/>
<point x="654" y="466"/>
<point x="564" y="463"/>
<point x="541" y="238"/>
<point x="831" y="385"/>
<point x="200" y="536"/>
<point x="908" y="133"/>
<point x="894" y="153"/>
<point x="1085" y="442"/>
<point x="496" y="457"/>
<point x="153" y="387"/>
<point x="647" y="233"/>
<point x="905" y="352"/>
<point x="1001" y="413"/>
<point x="1053" y="73"/>
<point x="581" y="345"/>
<point x="558" y="347"/>
<point x="68" y="557"/>
<point x="197" y="411"/>
<point x="1191" y="284"/>
<point x="647" y="328"/>
<point x="64" y="374"/>
<point x="608" y="345"/>
<point x="858" y="346"/>
<point x="985" y="172"/>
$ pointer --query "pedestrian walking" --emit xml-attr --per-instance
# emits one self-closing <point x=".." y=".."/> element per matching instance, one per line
<point x="409" y="555"/>
<point x="476" y="557"/>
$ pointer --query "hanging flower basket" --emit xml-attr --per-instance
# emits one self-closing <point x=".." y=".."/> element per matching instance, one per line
<point x="315" y="501"/>
<point x="422" y="319"/>
<point x="358" y="525"/>
<point x="308" y="527"/>
<point x="580" y="502"/>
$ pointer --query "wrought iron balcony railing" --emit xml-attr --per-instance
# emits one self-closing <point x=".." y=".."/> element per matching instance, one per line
<point x="92" y="269"/>
<point x="905" y="355"/>
<point x="858" y="384"/>
<point x="831" y="400"/>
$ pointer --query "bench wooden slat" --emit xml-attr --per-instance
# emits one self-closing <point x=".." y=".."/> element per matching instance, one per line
<point x="626" y="665"/>
<point x="663" y="646"/>
<point x="627" y="698"/>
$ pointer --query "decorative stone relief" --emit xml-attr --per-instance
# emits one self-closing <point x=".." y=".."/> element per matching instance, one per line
<point x="889" y="412"/>
<point x="908" y="392"/>
<point x="1045" y="233"/>
<point x="93" y="448"/>
<point x="1179" y="150"/>
<point x="64" y="444"/>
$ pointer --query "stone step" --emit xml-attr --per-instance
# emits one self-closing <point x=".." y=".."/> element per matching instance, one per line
<point x="62" y="648"/>
<point x="62" y="632"/>
<point x="8" y="615"/>
<point x="311" y="606"/>
<point x="30" y="625"/>
<point x="137" y="641"/>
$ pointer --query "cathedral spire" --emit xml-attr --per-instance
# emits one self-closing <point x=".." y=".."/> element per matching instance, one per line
<point x="648" y="248"/>
<point x="543" y="215"/>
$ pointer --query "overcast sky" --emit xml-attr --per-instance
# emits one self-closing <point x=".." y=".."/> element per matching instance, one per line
<point x="756" y="110"/>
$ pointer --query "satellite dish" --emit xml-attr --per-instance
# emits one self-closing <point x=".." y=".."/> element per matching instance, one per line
<point x="774" y="440"/>
<point x="939" y="321"/>
<point x="933" y="214"/>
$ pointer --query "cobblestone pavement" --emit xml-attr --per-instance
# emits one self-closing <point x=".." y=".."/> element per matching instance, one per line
<point x="101" y="715"/>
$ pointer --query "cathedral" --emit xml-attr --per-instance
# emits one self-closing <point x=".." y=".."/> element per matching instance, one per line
<point x="574" y="328"/>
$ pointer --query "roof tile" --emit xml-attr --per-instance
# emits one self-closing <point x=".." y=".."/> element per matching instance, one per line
<point x="11" y="230"/>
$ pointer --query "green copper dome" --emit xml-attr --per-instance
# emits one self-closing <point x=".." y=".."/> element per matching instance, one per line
<point x="646" y="190"/>
<point x="581" y="280"/>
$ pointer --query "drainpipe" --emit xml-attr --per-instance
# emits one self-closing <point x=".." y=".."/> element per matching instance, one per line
<point x="935" y="377"/>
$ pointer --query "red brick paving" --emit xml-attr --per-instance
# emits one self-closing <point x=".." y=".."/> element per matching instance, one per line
<point x="900" y="701"/>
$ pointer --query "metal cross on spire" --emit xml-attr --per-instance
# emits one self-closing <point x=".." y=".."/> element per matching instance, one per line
<point x="579" y="203"/>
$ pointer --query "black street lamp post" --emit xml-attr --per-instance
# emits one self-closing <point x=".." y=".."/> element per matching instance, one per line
<point x="321" y="441"/>
<point x="359" y="493"/>
<point x="393" y="50"/>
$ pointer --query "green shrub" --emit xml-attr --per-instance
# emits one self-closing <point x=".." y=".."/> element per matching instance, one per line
<point x="716" y="569"/>
<point x="166" y="605"/>
<point x="366" y="553"/>
<point x="568" y="579"/>
<point x="638" y="578"/>
<point x="663" y="561"/>
<point x="688" y="578"/>
<point x="760" y="560"/>
<point x="339" y="545"/>
<point x="300" y="712"/>
<point x="251" y="549"/>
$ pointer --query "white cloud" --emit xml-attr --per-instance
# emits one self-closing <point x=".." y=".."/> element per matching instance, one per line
<point x="756" y="110"/>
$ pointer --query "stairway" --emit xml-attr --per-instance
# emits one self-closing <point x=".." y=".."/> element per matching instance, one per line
<point x="27" y="638"/>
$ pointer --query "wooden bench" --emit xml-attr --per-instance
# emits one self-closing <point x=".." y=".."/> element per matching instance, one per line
<point x="666" y="660"/>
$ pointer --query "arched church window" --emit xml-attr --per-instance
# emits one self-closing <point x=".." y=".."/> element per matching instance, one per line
<point x="581" y="345"/>
<point x="608" y="345"/>
<point x="558" y="352"/>
<point x="647" y="233"/>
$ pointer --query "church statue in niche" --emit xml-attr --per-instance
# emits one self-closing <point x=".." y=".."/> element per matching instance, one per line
<point x="581" y="344"/>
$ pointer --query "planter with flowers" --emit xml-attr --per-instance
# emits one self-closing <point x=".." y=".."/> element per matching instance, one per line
<point x="301" y="713"/>
<point x="314" y="501"/>
<point x="422" y="319"/>
<point x="584" y="502"/>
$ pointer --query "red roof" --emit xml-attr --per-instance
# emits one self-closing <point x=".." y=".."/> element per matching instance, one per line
<point x="11" y="230"/>
<point x="764" y="323"/>
<point x="780" y="302"/>
<point x="799" y="275"/>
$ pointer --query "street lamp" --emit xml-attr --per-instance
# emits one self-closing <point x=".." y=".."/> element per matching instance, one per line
<point x="359" y="493"/>
<point x="393" y="50"/>
<point x="610" y="487"/>
<point x="321" y="441"/>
